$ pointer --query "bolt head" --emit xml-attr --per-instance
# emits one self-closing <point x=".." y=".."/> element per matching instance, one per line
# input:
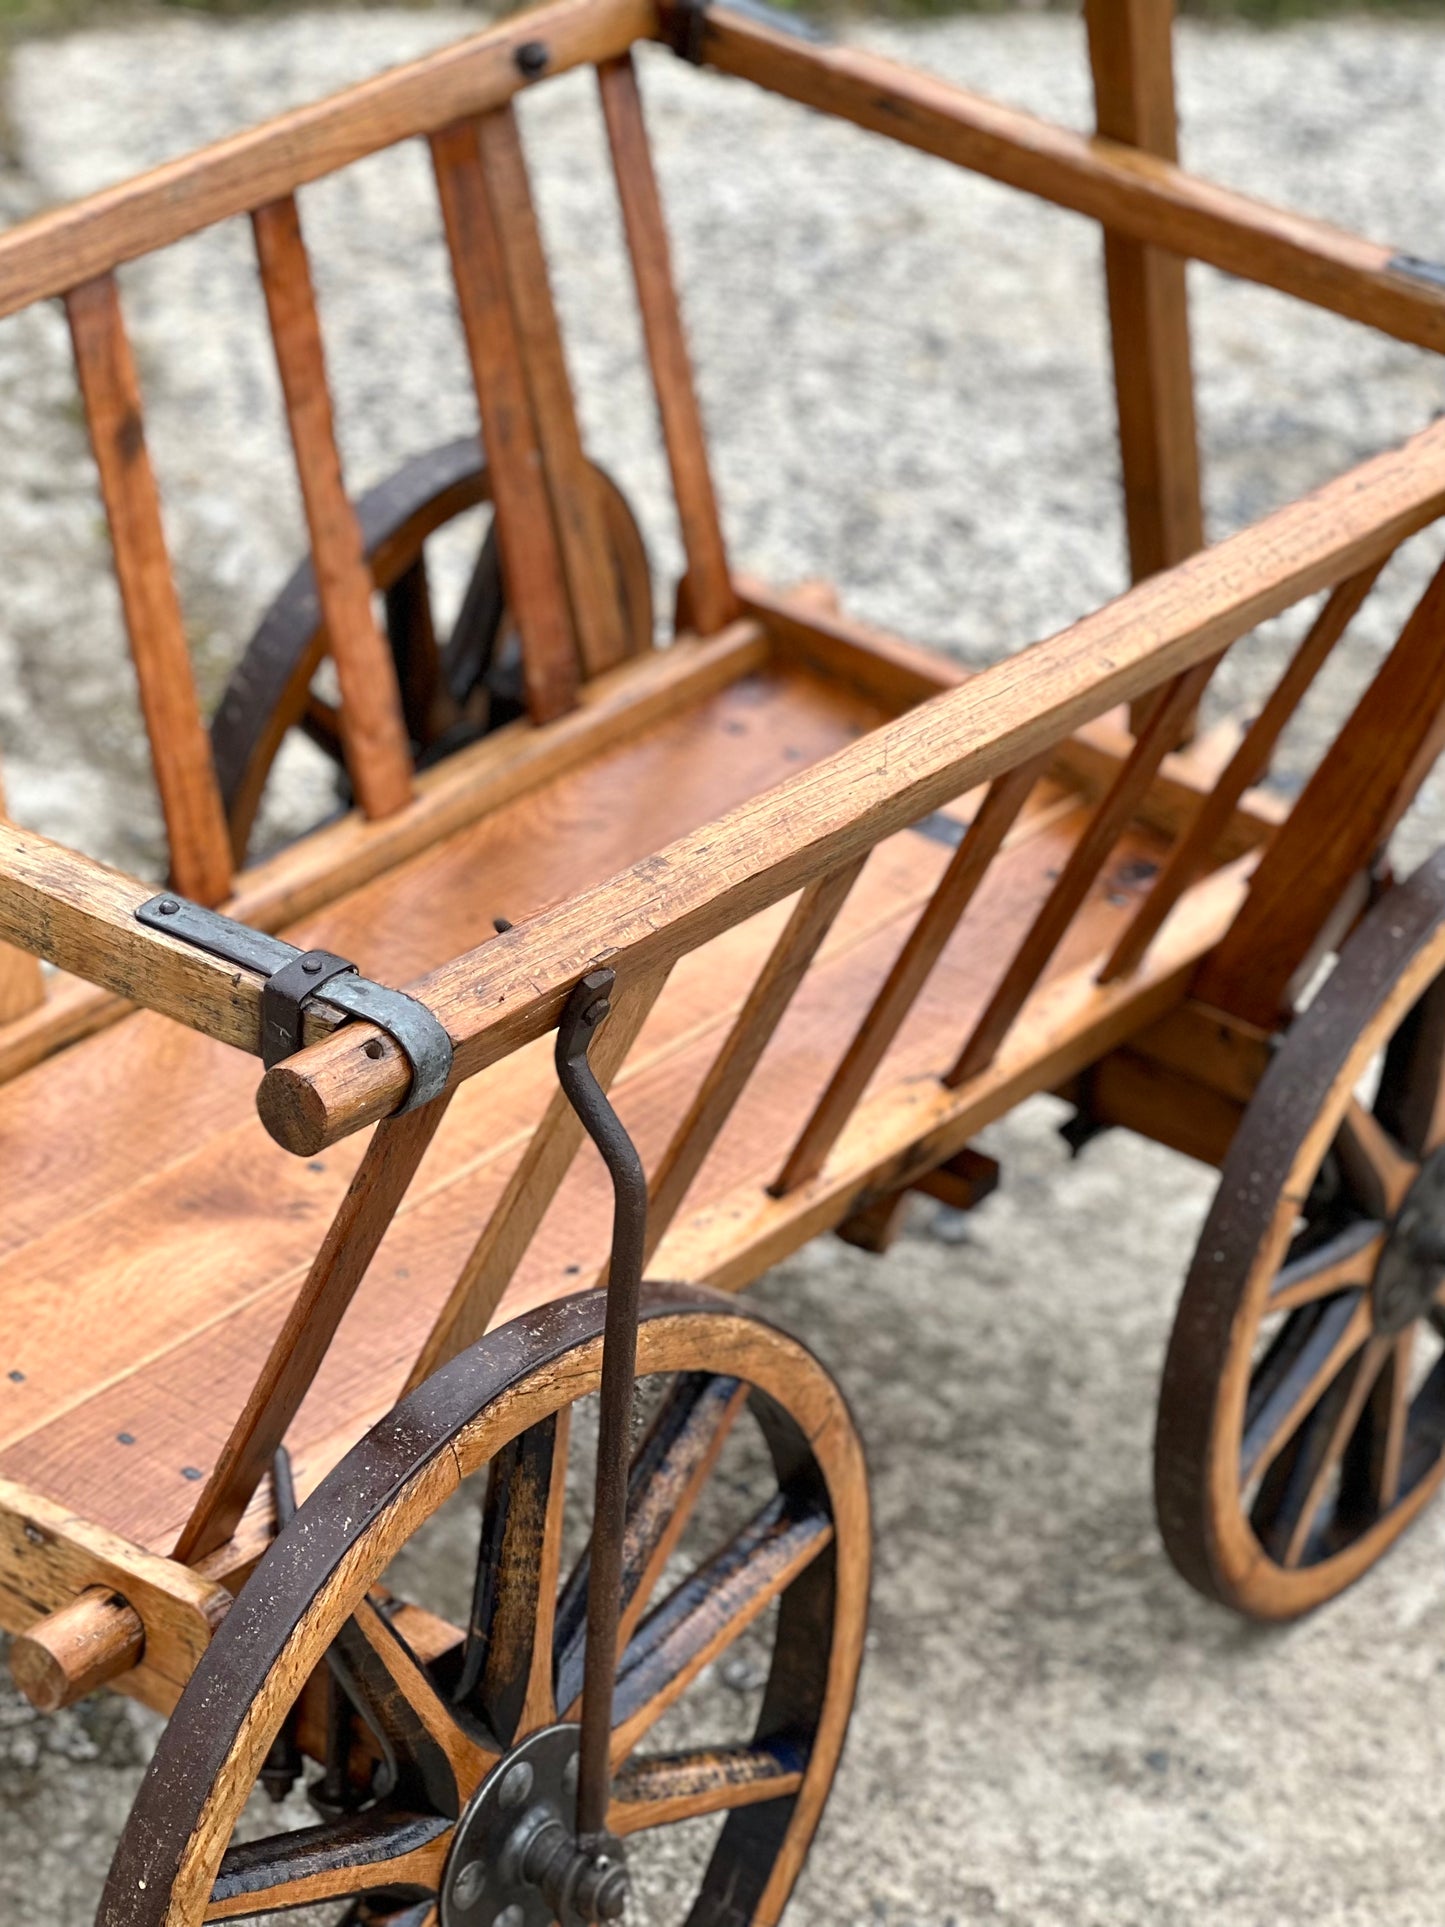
<point x="512" y="1916"/>
<point x="468" y="1885"/>
<point x="312" y="966"/>
<point x="532" y="58"/>
<point x="516" y="1785"/>
<point x="169" y="908"/>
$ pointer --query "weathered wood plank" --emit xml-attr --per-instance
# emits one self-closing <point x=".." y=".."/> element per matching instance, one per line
<point x="200" y="847"/>
<point x="373" y="732"/>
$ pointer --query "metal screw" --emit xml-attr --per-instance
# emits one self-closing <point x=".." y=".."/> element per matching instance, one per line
<point x="169" y="907"/>
<point x="569" y="1772"/>
<point x="516" y="1785"/>
<point x="311" y="965"/>
<point x="531" y="58"/>
<point x="510" y="1917"/>
<point x="468" y="1885"/>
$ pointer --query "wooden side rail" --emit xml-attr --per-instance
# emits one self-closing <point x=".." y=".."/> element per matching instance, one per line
<point x="1135" y="194"/>
<point x="81" y="916"/>
<point x="55" y="252"/>
<point x="494" y="1000"/>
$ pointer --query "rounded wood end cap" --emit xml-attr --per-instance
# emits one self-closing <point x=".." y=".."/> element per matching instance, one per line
<point x="63" y="1657"/>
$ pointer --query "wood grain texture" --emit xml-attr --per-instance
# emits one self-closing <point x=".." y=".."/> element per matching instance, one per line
<point x="531" y="560"/>
<point x="22" y="988"/>
<point x="710" y="592"/>
<point x="533" y="1185"/>
<point x="771" y="847"/>
<point x="1133" y="194"/>
<point x="48" y="1556"/>
<point x="78" y="914"/>
<point x="576" y="499"/>
<point x="1168" y="711"/>
<point x="71" y="1653"/>
<point x="1131" y="55"/>
<point x="767" y="1002"/>
<point x="57" y="251"/>
<point x="200" y="849"/>
<point x="1200" y="840"/>
<point x="957" y="888"/>
<point x="1359" y="790"/>
<point x="373" y="732"/>
<point x="349" y="1246"/>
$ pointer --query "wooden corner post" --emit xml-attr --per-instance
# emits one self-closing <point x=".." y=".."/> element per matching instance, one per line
<point x="1132" y="57"/>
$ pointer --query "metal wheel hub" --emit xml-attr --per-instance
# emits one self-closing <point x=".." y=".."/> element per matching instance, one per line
<point x="1413" y="1262"/>
<point x="515" y="1859"/>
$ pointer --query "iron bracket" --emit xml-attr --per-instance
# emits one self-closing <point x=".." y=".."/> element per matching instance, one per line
<point x="293" y="977"/>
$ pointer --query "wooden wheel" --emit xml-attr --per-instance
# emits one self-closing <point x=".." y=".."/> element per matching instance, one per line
<point x="1302" y="1415"/>
<point x="452" y="691"/>
<point x="420" y="1722"/>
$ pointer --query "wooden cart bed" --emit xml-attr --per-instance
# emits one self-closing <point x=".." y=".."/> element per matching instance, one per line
<point x="158" y="1236"/>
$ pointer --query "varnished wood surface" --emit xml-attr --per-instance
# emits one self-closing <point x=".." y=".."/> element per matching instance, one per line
<point x="475" y="1152"/>
<point x="57" y="251"/>
<point x="1133" y="194"/>
<point x="200" y="850"/>
<point x="157" y="1201"/>
<point x="767" y="849"/>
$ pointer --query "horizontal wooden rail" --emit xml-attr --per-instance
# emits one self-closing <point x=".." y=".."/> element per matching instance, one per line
<point x="57" y="251"/>
<point x="81" y="916"/>
<point x="1129" y="192"/>
<point x="496" y="999"/>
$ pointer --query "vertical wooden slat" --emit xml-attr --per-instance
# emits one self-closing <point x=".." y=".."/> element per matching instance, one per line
<point x="358" y="1228"/>
<point x="200" y="845"/>
<point x="378" y="756"/>
<point x="22" y="987"/>
<point x="709" y="587"/>
<point x="531" y="1188"/>
<point x="531" y="563"/>
<point x="1170" y="708"/>
<point x="1131" y="53"/>
<point x="925" y="945"/>
<point x="1249" y="762"/>
<point x="767" y="1003"/>
<point x="576" y="493"/>
<point x="1341" y="819"/>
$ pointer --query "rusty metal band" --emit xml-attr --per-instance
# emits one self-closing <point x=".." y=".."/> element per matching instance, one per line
<point x="295" y="978"/>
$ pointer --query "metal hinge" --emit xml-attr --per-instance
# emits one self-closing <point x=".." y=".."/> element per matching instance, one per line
<point x="294" y="977"/>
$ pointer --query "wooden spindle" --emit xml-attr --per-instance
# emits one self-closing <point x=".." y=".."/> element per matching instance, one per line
<point x="1191" y="854"/>
<point x="1170" y="709"/>
<point x="531" y="1188"/>
<point x="940" y="917"/>
<point x="378" y="755"/>
<point x="360" y="1224"/>
<point x="531" y="562"/>
<point x="576" y="494"/>
<point x="767" y="1003"/>
<point x="200" y="845"/>
<point x="710" y="590"/>
<point x="1341" y="819"/>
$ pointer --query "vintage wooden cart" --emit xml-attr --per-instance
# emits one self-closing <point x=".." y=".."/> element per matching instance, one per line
<point x="843" y="905"/>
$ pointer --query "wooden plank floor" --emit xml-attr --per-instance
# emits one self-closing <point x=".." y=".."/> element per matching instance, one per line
<point x="158" y="1236"/>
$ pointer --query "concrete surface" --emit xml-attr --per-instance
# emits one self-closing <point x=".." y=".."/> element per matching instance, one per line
<point x="905" y="375"/>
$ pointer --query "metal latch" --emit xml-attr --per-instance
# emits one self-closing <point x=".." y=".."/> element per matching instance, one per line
<point x="294" y="977"/>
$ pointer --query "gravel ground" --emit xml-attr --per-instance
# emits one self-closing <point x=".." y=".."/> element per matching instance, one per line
<point x="905" y="375"/>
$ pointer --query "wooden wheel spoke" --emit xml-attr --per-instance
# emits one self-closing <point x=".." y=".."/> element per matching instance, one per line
<point x="429" y="1755"/>
<point x="710" y="1610"/>
<point x="668" y="1473"/>
<point x="1297" y="1483"/>
<point x="1371" y="1471"/>
<point x="1411" y="1102"/>
<point x="657" y="1790"/>
<point x="507" y="1676"/>
<point x="321" y="722"/>
<point x="478" y="628"/>
<point x="1349" y="1258"/>
<point x="411" y="631"/>
<point x="1375" y="1167"/>
<point x="1308" y="1355"/>
<point x="356" y="1854"/>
